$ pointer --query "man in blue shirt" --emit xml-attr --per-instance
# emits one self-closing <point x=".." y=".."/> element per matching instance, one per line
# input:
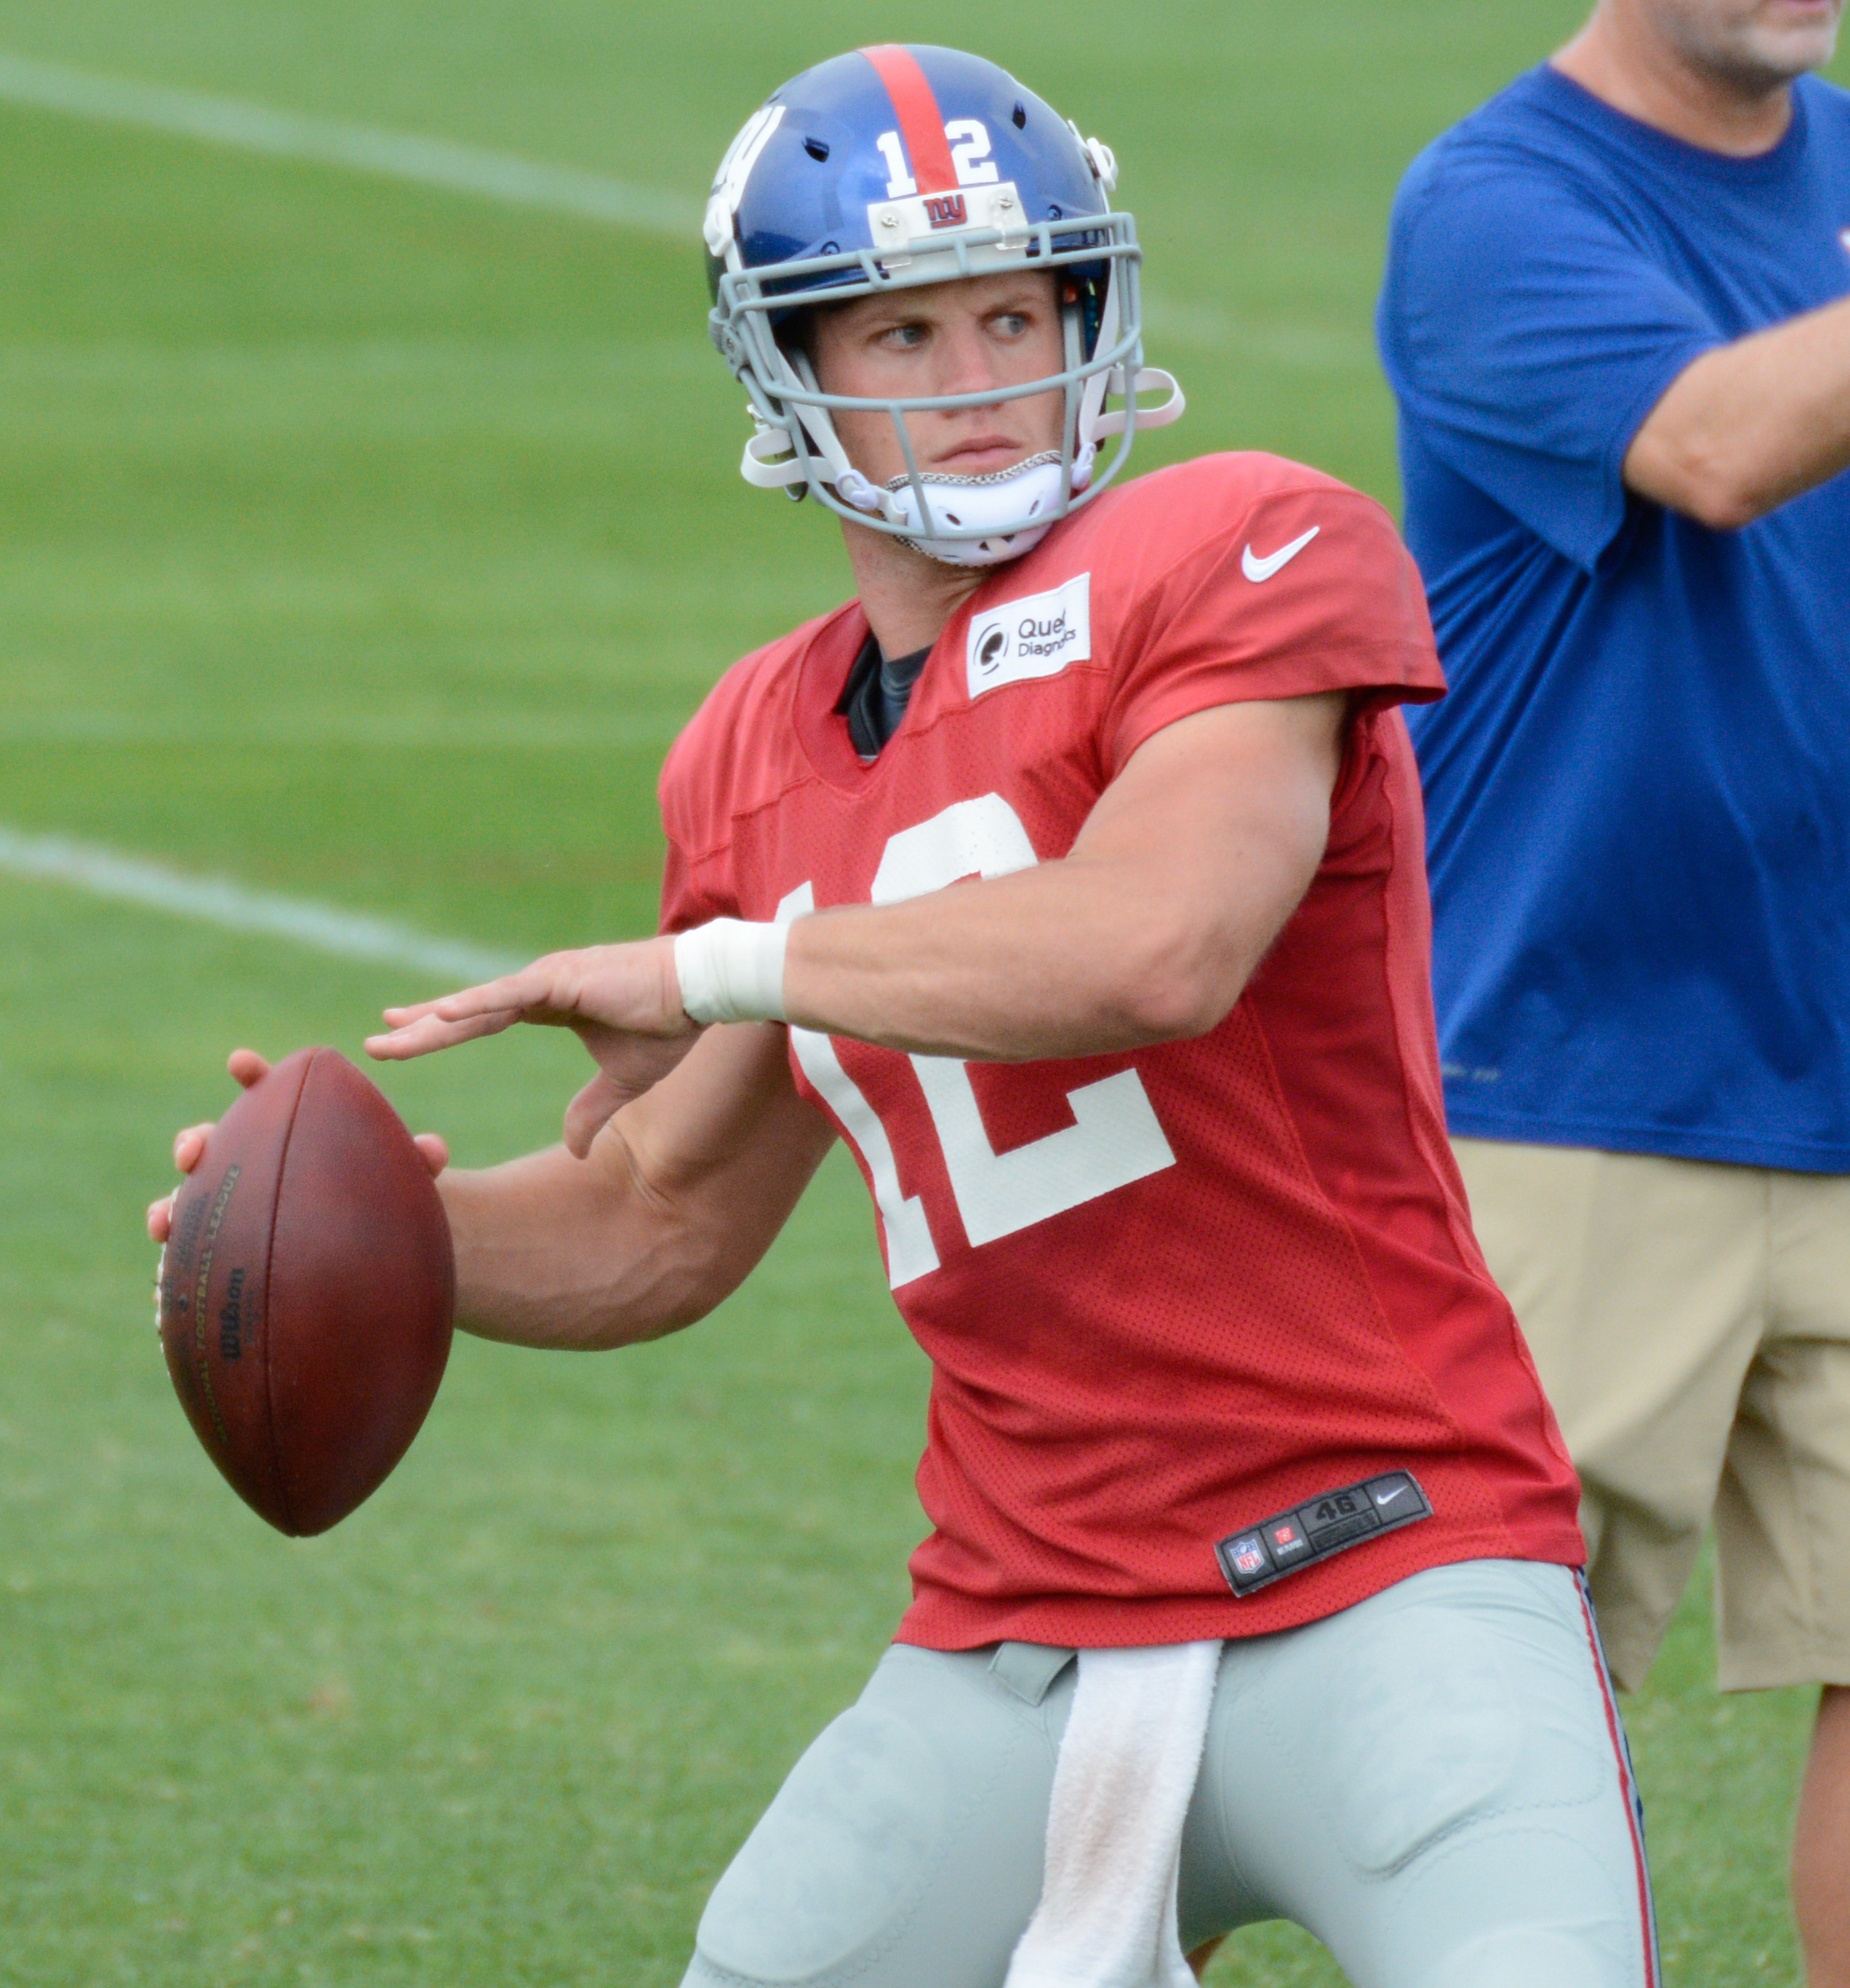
<point x="1616" y="319"/>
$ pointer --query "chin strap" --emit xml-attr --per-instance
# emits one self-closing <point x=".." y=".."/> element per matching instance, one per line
<point x="769" y="462"/>
<point x="1149" y="380"/>
<point x="1018" y="496"/>
<point x="772" y="461"/>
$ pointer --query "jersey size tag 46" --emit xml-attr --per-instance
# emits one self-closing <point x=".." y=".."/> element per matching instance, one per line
<point x="1310" y="1531"/>
<point x="1036" y="636"/>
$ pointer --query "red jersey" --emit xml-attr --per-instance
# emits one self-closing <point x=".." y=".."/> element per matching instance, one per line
<point x="1167" y="1293"/>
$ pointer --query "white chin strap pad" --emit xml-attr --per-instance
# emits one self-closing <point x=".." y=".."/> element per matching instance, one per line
<point x="1015" y="498"/>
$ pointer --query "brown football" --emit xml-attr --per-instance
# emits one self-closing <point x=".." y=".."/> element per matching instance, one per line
<point x="306" y="1292"/>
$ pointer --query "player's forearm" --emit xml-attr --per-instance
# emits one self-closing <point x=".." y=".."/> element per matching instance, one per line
<point x="1750" y="424"/>
<point x="1053" y="962"/>
<point x="680" y="1195"/>
<point x="1068" y="959"/>
<point x="1145" y="932"/>
<point x="552" y="1251"/>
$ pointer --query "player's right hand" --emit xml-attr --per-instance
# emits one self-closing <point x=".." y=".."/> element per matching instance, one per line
<point x="248" y="1068"/>
<point x="622" y="1001"/>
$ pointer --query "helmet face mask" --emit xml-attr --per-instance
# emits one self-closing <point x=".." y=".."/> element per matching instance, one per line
<point x="859" y="179"/>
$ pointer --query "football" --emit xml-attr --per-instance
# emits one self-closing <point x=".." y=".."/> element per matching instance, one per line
<point x="306" y="1292"/>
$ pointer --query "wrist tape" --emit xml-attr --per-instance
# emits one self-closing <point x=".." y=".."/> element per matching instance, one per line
<point x="731" y="971"/>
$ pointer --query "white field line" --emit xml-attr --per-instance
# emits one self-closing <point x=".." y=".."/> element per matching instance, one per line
<point x="412" y="734"/>
<point x="348" y="934"/>
<point x="283" y="134"/>
<point x="558" y="189"/>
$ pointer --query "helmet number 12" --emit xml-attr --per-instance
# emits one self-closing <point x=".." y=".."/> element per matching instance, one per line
<point x="969" y="143"/>
<point x="1114" y="1138"/>
<point x="969" y="138"/>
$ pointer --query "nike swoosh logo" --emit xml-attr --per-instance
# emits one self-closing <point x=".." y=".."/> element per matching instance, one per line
<point x="1387" y="1497"/>
<point x="1257" y="569"/>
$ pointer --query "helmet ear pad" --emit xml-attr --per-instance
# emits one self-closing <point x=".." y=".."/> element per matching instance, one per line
<point x="1082" y="289"/>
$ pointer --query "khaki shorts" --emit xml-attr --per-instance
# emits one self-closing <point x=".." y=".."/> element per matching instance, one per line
<point x="1691" y="1322"/>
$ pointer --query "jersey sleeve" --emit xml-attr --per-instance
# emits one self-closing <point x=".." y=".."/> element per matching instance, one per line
<point x="1527" y="337"/>
<point x="692" y="893"/>
<point x="1311" y="591"/>
<point x="696" y="879"/>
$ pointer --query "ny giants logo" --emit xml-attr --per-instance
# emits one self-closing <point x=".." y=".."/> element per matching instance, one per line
<point x="946" y="210"/>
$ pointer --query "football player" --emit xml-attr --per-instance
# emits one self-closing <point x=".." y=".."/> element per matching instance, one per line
<point x="1071" y="873"/>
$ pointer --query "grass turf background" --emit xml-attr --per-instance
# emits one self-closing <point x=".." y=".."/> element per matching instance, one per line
<point x="370" y="543"/>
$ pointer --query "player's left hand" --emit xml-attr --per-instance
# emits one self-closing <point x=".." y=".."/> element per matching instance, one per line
<point x="623" y="1002"/>
<point x="248" y="1068"/>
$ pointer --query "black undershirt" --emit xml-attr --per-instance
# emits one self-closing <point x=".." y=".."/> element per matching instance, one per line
<point x="877" y="694"/>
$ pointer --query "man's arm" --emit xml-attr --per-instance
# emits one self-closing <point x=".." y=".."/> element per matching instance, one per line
<point x="1188" y="865"/>
<point x="1750" y="424"/>
<point x="678" y="1198"/>
<point x="1191" y="861"/>
<point x="674" y="1200"/>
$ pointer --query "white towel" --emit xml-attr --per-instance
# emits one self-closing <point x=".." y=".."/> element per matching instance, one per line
<point x="1121" y="1787"/>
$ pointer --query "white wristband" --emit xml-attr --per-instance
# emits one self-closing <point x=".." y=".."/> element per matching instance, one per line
<point x="730" y="971"/>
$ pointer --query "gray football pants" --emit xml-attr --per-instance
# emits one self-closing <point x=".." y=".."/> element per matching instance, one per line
<point x="1432" y="1782"/>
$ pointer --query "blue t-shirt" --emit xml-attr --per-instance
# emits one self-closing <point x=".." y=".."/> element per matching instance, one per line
<point x="1638" y="787"/>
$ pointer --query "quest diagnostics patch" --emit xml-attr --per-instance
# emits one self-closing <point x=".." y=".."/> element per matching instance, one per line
<point x="1035" y="637"/>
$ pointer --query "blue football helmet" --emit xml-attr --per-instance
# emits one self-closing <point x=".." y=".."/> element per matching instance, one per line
<point x="890" y="168"/>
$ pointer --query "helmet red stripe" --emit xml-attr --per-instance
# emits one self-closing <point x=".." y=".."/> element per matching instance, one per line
<point x="921" y="123"/>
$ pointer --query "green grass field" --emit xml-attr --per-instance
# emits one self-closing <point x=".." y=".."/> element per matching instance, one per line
<point x="368" y="543"/>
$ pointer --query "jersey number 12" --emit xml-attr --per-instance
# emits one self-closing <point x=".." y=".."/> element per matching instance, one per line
<point x="1114" y="1140"/>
